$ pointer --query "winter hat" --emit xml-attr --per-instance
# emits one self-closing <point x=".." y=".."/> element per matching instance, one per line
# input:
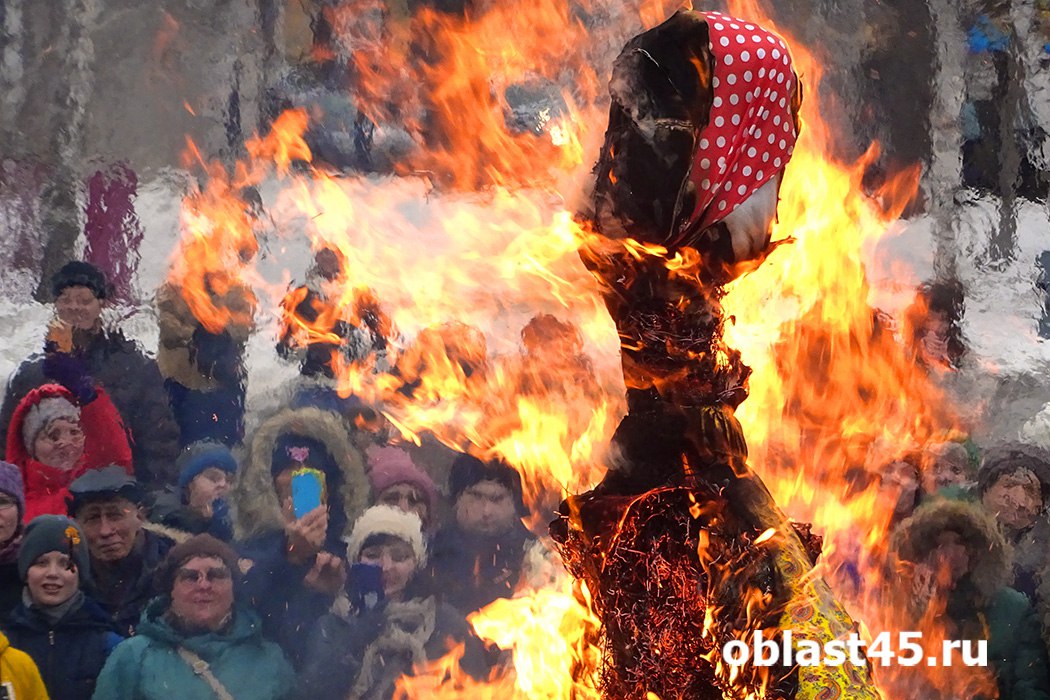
<point x="80" y="274"/>
<point x="203" y="545"/>
<point x="293" y="451"/>
<point x="388" y="466"/>
<point x="53" y="533"/>
<point x="1009" y="457"/>
<point x="916" y="537"/>
<point x="103" y="484"/>
<point x="390" y="521"/>
<point x="951" y="453"/>
<point x="468" y="470"/>
<point x="40" y="415"/>
<point x="200" y="455"/>
<point x="11" y="484"/>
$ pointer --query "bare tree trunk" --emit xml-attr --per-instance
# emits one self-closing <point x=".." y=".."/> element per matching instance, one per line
<point x="945" y="172"/>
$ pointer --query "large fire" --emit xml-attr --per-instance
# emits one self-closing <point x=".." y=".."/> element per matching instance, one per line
<point x="499" y="336"/>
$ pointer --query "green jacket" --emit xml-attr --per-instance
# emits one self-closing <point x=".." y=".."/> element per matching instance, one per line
<point x="149" y="667"/>
<point x="1015" y="647"/>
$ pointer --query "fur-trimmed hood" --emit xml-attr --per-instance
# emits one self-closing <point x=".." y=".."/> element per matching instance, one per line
<point x="254" y="497"/>
<point x="990" y="555"/>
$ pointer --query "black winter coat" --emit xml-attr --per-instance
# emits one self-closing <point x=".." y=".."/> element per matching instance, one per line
<point x="274" y="587"/>
<point x="124" y="589"/>
<point x="10" y="588"/>
<point x="132" y="380"/>
<point x="470" y="571"/>
<point x="378" y="647"/>
<point x="69" y="654"/>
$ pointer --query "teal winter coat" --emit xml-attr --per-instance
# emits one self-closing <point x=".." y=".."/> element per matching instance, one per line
<point x="149" y="667"/>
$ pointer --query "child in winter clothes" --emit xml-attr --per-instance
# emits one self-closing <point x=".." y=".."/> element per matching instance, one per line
<point x="197" y="504"/>
<point x="389" y="627"/>
<point x="59" y="432"/>
<point x="397" y="481"/>
<point x="68" y="634"/>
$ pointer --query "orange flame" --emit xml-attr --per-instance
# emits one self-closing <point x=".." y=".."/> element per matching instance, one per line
<point x="465" y="283"/>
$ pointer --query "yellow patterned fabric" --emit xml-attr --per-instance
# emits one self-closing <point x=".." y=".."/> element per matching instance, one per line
<point x="813" y="613"/>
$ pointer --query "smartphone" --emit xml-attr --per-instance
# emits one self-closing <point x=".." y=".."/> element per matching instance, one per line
<point x="364" y="586"/>
<point x="308" y="490"/>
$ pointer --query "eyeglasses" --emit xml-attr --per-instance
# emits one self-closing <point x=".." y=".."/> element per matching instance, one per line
<point x="211" y="575"/>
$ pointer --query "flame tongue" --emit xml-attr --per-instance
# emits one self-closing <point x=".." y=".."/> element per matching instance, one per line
<point x="468" y="271"/>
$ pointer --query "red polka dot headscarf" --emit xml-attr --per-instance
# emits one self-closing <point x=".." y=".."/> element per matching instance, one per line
<point x="751" y="132"/>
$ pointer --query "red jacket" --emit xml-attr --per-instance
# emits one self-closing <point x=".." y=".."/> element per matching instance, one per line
<point x="105" y="443"/>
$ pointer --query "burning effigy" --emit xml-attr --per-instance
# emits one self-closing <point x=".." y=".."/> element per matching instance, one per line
<point x="681" y="544"/>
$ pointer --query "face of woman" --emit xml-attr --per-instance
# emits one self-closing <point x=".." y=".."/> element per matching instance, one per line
<point x="60" y="444"/>
<point x="202" y="595"/>
<point x="397" y="561"/>
<point x="8" y="517"/>
<point x="408" y="498"/>
<point x="52" y="579"/>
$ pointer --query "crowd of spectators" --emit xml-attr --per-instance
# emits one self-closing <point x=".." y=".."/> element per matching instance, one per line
<point x="150" y="547"/>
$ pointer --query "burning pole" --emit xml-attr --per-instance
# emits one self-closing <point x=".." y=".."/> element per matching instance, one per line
<point x="681" y="545"/>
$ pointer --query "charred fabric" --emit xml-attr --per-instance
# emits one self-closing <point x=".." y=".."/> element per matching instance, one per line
<point x="675" y="544"/>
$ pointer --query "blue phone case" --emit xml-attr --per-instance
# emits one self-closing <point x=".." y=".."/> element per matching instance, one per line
<point x="306" y="493"/>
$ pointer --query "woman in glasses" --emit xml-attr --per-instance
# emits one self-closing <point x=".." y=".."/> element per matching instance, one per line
<point x="197" y="640"/>
<point x="12" y="507"/>
<point x="66" y="633"/>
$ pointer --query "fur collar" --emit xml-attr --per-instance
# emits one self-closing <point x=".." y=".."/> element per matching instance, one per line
<point x="253" y="496"/>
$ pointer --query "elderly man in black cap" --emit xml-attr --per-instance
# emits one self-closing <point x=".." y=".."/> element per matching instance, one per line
<point x="478" y="557"/>
<point x="79" y="345"/>
<point x="107" y="504"/>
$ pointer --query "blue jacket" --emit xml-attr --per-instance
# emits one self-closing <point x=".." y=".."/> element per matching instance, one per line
<point x="71" y="652"/>
<point x="149" y="667"/>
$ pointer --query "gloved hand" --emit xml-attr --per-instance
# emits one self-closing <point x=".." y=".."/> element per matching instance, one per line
<point x="215" y="355"/>
<point x="364" y="587"/>
<point x="71" y="372"/>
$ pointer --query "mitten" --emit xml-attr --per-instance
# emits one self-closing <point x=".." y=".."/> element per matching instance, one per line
<point x="71" y="372"/>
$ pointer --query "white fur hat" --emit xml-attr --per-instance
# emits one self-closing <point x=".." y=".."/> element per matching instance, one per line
<point x="38" y="417"/>
<point x="387" y="520"/>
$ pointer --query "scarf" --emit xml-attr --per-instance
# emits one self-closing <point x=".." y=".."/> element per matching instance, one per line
<point x="750" y="133"/>
<point x="53" y="614"/>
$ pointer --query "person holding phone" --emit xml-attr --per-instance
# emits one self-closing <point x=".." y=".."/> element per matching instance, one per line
<point x="300" y="480"/>
<point x="388" y="624"/>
